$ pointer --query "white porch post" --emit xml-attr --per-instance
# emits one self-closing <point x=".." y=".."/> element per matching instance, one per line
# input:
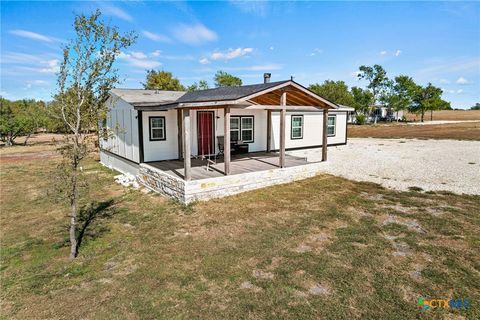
<point x="325" y="135"/>
<point x="269" y="130"/>
<point x="283" y="112"/>
<point x="179" y="135"/>
<point x="186" y="144"/>
<point x="226" y="140"/>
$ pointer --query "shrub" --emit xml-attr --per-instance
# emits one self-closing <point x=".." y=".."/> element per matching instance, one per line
<point x="361" y="119"/>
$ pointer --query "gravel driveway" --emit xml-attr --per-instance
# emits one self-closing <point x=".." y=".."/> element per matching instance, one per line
<point x="450" y="165"/>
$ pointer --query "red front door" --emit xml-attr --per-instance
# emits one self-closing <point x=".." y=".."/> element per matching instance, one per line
<point x="205" y="133"/>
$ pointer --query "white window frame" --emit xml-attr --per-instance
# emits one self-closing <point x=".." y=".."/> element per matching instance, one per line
<point x="161" y="128"/>
<point x="292" y="127"/>
<point x="237" y="129"/>
<point x="240" y="128"/>
<point x="334" y="116"/>
<point x="249" y="129"/>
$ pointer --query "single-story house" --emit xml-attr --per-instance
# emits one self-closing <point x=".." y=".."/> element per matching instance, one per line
<point x="216" y="142"/>
<point x="351" y="113"/>
<point x="378" y="113"/>
<point x="384" y="113"/>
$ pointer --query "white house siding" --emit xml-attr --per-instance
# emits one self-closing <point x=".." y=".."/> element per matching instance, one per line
<point x="122" y="165"/>
<point x="313" y="130"/>
<point x="313" y="123"/>
<point x="123" y="130"/>
<point x="160" y="149"/>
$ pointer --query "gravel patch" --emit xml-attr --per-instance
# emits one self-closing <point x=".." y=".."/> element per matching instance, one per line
<point x="400" y="164"/>
<point x="259" y="274"/>
<point x="318" y="290"/>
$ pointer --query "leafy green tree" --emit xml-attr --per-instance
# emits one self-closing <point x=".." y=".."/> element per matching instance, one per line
<point x="428" y="98"/>
<point x="21" y="118"/>
<point x="335" y="91"/>
<point x="201" y="85"/>
<point x="378" y="81"/>
<point x="476" y="106"/>
<point x="162" y="80"/>
<point x="362" y="100"/>
<point x="224" y="79"/>
<point x="401" y="93"/>
<point x="85" y="78"/>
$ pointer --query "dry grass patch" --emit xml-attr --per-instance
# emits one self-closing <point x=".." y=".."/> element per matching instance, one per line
<point x="457" y="131"/>
<point x="448" y="115"/>
<point x="312" y="249"/>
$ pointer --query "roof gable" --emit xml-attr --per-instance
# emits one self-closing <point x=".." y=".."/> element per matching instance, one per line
<point x="226" y="93"/>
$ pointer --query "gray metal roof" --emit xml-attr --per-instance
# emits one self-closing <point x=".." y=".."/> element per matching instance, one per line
<point x="141" y="97"/>
<point x="226" y="93"/>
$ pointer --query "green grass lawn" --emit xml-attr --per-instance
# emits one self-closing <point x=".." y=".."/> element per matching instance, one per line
<point x="322" y="248"/>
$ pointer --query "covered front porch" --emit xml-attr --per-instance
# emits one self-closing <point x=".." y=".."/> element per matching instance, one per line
<point x="239" y="164"/>
<point x="199" y="174"/>
<point x="197" y="137"/>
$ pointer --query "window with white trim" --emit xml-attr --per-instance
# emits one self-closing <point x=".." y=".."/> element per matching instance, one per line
<point x="331" y="124"/>
<point x="234" y="129"/>
<point x="247" y="129"/>
<point x="241" y="129"/>
<point x="297" y="127"/>
<point x="157" y="128"/>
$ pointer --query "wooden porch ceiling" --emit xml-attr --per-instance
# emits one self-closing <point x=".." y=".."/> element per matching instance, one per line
<point x="295" y="97"/>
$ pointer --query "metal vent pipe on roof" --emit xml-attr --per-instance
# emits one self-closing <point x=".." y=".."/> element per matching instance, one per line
<point x="266" y="77"/>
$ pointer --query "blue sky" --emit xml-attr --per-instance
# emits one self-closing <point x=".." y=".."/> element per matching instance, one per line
<point x="436" y="42"/>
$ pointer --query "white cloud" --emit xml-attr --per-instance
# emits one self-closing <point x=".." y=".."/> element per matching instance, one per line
<point x="443" y="67"/>
<point x="451" y="91"/>
<point x="179" y="57"/>
<point x="462" y="80"/>
<point x="261" y="67"/>
<point x="271" y="48"/>
<point x="230" y="54"/>
<point x="44" y="63"/>
<point x="398" y="52"/>
<point x="156" y="53"/>
<point x="112" y="10"/>
<point x="156" y="37"/>
<point x="194" y="34"/>
<point x="254" y="7"/>
<point x="316" y="51"/>
<point x="138" y="55"/>
<point x="382" y="53"/>
<point x="40" y="82"/>
<point x="36" y="83"/>
<point x="52" y="66"/>
<point x="204" y="61"/>
<point x="32" y="35"/>
<point x="138" y="59"/>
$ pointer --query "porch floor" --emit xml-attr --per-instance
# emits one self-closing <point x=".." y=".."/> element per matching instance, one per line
<point x="244" y="163"/>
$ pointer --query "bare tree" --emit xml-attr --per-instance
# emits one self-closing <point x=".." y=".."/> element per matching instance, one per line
<point x="85" y="78"/>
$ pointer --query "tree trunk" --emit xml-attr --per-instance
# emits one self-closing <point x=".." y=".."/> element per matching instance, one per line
<point x="26" y="139"/>
<point x="73" y="217"/>
<point x="9" y="141"/>
<point x="431" y="115"/>
<point x="99" y="127"/>
<point x="422" y="115"/>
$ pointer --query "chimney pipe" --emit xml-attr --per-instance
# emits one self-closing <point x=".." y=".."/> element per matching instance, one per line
<point x="266" y="77"/>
